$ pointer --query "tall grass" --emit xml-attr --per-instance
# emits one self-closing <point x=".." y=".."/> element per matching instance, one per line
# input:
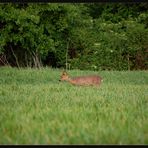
<point x="36" y="108"/>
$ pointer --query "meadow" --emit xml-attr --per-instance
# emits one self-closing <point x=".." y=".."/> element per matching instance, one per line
<point x="35" y="108"/>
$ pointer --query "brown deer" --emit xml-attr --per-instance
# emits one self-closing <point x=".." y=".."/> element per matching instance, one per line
<point x="82" y="80"/>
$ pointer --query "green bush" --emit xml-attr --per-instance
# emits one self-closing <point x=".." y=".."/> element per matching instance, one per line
<point x="90" y="36"/>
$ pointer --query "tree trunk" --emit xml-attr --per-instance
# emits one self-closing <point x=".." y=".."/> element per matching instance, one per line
<point x="128" y="62"/>
<point x="37" y="60"/>
<point x="16" y="59"/>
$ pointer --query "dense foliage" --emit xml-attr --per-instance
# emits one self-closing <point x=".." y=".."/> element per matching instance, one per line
<point x="94" y="36"/>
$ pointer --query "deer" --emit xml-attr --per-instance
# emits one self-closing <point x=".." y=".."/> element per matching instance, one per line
<point x="90" y="80"/>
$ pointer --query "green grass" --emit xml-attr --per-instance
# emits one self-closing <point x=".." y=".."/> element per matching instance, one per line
<point x="35" y="108"/>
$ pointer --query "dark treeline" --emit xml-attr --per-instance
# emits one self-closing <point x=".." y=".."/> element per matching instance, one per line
<point x="93" y="36"/>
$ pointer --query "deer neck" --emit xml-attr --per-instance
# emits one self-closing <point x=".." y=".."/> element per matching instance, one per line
<point x="71" y="80"/>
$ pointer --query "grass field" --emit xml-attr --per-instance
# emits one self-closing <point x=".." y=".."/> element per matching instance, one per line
<point x="35" y="108"/>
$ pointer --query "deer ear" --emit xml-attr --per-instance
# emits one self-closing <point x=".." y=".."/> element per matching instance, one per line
<point x="64" y="73"/>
